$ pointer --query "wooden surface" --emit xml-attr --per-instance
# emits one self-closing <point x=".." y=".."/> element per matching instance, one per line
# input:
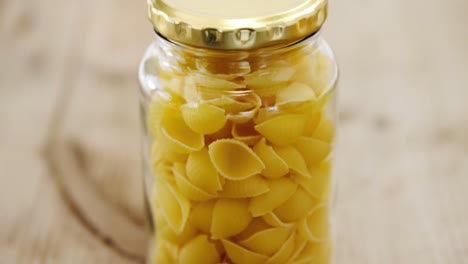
<point x="70" y="185"/>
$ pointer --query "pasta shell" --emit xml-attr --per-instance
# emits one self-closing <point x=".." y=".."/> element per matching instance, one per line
<point x="209" y="81"/>
<point x="232" y="106"/>
<point x="268" y="241"/>
<point x="168" y="234"/>
<point x="199" y="250"/>
<point x="230" y="217"/>
<point x="245" y="133"/>
<point x="181" y="138"/>
<point x="202" y="173"/>
<point x="299" y="246"/>
<point x="285" y="252"/>
<point x="160" y="151"/>
<point x="294" y="159"/>
<point x="271" y="77"/>
<point x="295" y="93"/>
<point x="203" y="118"/>
<point x="164" y="252"/>
<point x="313" y="150"/>
<point x="201" y="216"/>
<point x="318" y="185"/>
<point x="298" y="206"/>
<point x="315" y="253"/>
<point x="312" y="123"/>
<point x="174" y="206"/>
<point x="160" y="101"/>
<point x="316" y="227"/>
<point x="325" y="131"/>
<point x="234" y="160"/>
<point x="317" y="71"/>
<point x="255" y="226"/>
<point x="280" y="191"/>
<point x="275" y="167"/>
<point x="283" y="130"/>
<point x="250" y="187"/>
<point x="240" y="255"/>
<point x="273" y="220"/>
<point x="188" y="189"/>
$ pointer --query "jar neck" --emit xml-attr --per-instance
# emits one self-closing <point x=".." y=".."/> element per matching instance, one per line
<point x="183" y="58"/>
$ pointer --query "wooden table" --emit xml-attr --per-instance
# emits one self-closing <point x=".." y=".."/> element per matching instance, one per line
<point x="70" y="185"/>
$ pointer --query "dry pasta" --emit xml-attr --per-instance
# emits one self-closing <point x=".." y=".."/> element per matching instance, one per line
<point x="294" y="159"/>
<point x="280" y="191"/>
<point x="283" y="130"/>
<point x="202" y="173"/>
<point x="240" y="255"/>
<point x="199" y="250"/>
<point x="267" y="241"/>
<point x="312" y="150"/>
<point x="275" y="167"/>
<point x="230" y="217"/>
<point x="203" y="118"/>
<point x="234" y="160"/>
<point x="250" y="187"/>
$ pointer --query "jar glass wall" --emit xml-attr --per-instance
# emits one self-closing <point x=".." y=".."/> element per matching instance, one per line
<point x="238" y="151"/>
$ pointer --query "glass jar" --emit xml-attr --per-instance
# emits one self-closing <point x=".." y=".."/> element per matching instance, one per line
<point x="239" y="129"/>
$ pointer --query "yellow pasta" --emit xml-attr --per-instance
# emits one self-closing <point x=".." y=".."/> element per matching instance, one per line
<point x="233" y="106"/>
<point x="199" y="250"/>
<point x="201" y="216"/>
<point x="294" y="159"/>
<point x="316" y="71"/>
<point x="298" y="206"/>
<point x="295" y="93"/>
<point x="188" y="189"/>
<point x="325" y="131"/>
<point x="174" y="206"/>
<point x="271" y="77"/>
<point x="164" y="252"/>
<point x="318" y="185"/>
<point x="240" y="255"/>
<point x="272" y="219"/>
<point x="244" y="132"/>
<point x="160" y="102"/>
<point x="255" y="226"/>
<point x="312" y="123"/>
<point x="202" y="173"/>
<point x="160" y="151"/>
<point x="283" y="130"/>
<point x="316" y="253"/>
<point x="230" y="217"/>
<point x="234" y="160"/>
<point x="209" y="81"/>
<point x="285" y="252"/>
<point x="280" y="191"/>
<point x="203" y="118"/>
<point x="167" y="234"/>
<point x="179" y="136"/>
<point x="315" y="227"/>
<point x="250" y="187"/>
<point x="267" y="242"/>
<point x="313" y="150"/>
<point x="275" y="167"/>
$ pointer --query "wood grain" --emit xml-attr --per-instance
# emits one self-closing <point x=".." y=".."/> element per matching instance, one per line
<point x="70" y="181"/>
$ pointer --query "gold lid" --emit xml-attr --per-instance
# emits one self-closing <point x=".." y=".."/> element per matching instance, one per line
<point x="237" y="24"/>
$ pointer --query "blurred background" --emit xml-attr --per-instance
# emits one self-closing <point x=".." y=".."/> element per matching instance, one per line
<point x="70" y="185"/>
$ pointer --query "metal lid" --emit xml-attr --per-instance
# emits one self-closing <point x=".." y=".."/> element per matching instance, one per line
<point x="237" y="24"/>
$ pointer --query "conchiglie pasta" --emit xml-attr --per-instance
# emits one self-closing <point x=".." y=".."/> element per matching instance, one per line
<point x="203" y="118"/>
<point x="296" y="207"/>
<point x="208" y="81"/>
<point x="201" y="216"/>
<point x="272" y="219"/>
<point x="174" y="206"/>
<point x="268" y="78"/>
<point x="255" y="226"/>
<point x="240" y="255"/>
<point x="230" y="217"/>
<point x="245" y="133"/>
<point x="202" y="173"/>
<point x="280" y="191"/>
<point x="283" y="130"/>
<point x="325" y="130"/>
<point x="188" y="189"/>
<point x="234" y="160"/>
<point x="250" y="187"/>
<point x="295" y="93"/>
<point x="318" y="185"/>
<point x="164" y="253"/>
<point x="313" y="150"/>
<point x="199" y="250"/>
<point x="285" y="252"/>
<point x="268" y="241"/>
<point x="294" y="159"/>
<point x="316" y="227"/>
<point x="275" y="167"/>
<point x="167" y="234"/>
<point x="180" y="137"/>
